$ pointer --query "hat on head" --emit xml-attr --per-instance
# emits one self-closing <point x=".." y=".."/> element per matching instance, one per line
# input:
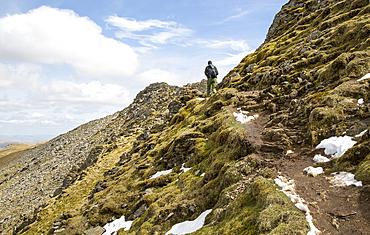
<point x="209" y="62"/>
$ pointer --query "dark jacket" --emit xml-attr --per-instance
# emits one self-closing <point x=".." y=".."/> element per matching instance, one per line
<point x="207" y="73"/>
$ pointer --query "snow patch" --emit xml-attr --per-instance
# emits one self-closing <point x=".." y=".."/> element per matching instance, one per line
<point x="184" y="169"/>
<point x="116" y="225"/>
<point x="289" y="152"/>
<point x="189" y="226"/>
<point x="342" y="179"/>
<point x="242" y="116"/>
<point x="288" y="187"/>
<point x="320" y="158"/>
<point x="160" y="173"/>
<point x="361" y="134"/>
<point x="200" y="98"/>
<point x="336" y="146"/>
<point x="360" y="101"/>
<point x="364" y="77"/>
<point x="312" y="171"/>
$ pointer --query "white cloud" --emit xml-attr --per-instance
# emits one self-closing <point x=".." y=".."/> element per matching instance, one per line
<point x="233" y="59"/>
<point x="240" y="45"/>
<point x="36" y="115"/>
<point x="51" y="36"/>
<point x="69" y="93"/>
<point x="128" y="24"/>
<point x="20" y="75"/>
<point x="161" y="32"/>
<point x="167" y="32"/>
<point x="26" y="78"/>
<point x="27" y="119"/>
<point x="17" y="121"/>
<point x="159" y="75"/>
<point x="69" y="117"/>
<point x="239" y="15"/>
<point x="50" y="123"/>
<point x="9" y="106"/>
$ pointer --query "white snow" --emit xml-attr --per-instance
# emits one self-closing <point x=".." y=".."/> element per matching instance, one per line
<point x="242" y="116"/>
<point x="360" y="101"/>
<point x="189" y="226"/>
<point x="336" y="146"/>
<point x="184" y="169"/>
<point x="203" y="174"/>
<point x="361" y="134"/>
<point x="312" y="171"/>
<point x="160" y="173"/>
<point x="289" y="152"/>
<point x="288" y="187"/>
<point x="320" y="158"/>
<point x="116" y="225"/>
<point x="344" y="179"/>
<point x="200" y="98"/>
<point x="364" y="77"/>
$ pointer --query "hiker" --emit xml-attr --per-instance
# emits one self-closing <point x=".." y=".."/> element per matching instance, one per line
<point x="211" y="72"/>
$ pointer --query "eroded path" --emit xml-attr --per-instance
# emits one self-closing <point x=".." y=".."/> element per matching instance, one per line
<point x="335" y="210"/>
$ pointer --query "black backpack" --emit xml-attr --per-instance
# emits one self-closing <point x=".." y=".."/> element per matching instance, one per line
<point x="212" y="71"/>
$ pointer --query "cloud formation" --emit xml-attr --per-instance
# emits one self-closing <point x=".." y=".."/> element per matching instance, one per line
<point x="233" y="59"/>
<point x="167" y="32"/>
<point x="27" y="78"/>
<point x="155" y="75"/>
<point x="69" y="93"/>
<point x="161" y="32"/>
<point x="55" y="36"/>
<point x="235" y="45"/>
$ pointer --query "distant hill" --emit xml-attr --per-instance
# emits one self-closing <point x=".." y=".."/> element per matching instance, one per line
<point x="6" y="142"/>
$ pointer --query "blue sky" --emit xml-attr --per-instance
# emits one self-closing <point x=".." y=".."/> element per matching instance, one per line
<point x="63" y="63"/>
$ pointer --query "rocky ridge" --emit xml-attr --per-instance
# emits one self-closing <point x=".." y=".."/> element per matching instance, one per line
<point x="301" y="86"/>
<point x="44" y="172"/>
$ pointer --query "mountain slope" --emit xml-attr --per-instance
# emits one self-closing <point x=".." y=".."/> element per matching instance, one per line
<point x="170" y="156"/>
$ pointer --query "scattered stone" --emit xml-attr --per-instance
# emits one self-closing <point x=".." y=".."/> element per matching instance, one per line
<point x="169" y="216"/>
<point x="313" y="36"/>
<point x="139" y="212"/>
<point x="250" y="67"/>
<point x="192" y="208"/>
<point x="95" y="231"/>
<point x="59" y="230"/>
<point x="148" y="191"/>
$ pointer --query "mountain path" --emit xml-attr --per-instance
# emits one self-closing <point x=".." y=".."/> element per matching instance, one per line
<point x="335" y="210"/>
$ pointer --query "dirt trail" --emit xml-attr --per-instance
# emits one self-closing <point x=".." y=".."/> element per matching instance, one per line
<point x="335" y="210"/>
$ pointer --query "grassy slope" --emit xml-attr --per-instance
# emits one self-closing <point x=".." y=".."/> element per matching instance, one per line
<point x="204" y="136"/>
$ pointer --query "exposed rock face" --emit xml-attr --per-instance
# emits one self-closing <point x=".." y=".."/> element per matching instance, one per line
<point x="285" y="15"/>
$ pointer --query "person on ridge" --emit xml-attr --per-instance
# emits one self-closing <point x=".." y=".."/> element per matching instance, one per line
<point x="211" y="72"/>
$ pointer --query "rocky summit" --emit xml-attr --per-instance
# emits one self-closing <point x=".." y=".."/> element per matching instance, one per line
<point x="283" y="147"/>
